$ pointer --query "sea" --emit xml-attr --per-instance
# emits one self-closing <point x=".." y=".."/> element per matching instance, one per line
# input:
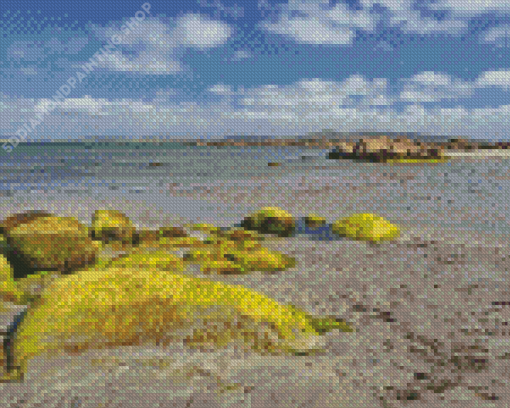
<point x="151" y="181"/>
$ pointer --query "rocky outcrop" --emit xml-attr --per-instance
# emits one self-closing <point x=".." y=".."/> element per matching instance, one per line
<point x="385" y="148"/>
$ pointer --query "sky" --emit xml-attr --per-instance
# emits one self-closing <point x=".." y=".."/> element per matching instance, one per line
<point x="213" y="68"/>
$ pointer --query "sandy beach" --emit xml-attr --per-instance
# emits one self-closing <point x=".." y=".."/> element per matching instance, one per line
<point x="431" y="318"/>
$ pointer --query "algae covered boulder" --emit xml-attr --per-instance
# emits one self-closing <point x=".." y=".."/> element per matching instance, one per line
<point x="51" y="243"/>
<point x="271" y="220"/>
<point x="118" y="307"/>
<point x="230" y="256"/>
<point x="367" y="227"/>
<point x="9" y="291"/>
<point x="314" y="221"/>
<point x="112" y="225"/>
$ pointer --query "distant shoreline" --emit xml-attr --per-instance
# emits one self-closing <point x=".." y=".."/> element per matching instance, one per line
<point x="317" y="142"/>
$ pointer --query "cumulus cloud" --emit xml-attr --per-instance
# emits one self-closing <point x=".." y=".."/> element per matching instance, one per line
<point x="434" y="87"/>
<point x="316" y="22"/>
<point x="497" y="36"/>
<point x="152" y="47"/>
<point x="494" y="78"/>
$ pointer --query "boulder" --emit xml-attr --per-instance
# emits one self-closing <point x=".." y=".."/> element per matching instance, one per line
<point x="112" y="225"/>
<point x="367" y="227"/>
<point x="51" y="243"/>
<point x="314" y="221"/>
<point x="270" y="220"/>
<point x="21" y="218"/>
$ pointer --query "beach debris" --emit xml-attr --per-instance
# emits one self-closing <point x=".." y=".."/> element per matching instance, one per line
<point x="367" y="227"/>
<point x="314" y="221"/>
<point x="112" y="225"/>
<point x="116" y="307"/>
<point x="270" y="220"/>
<point x="50" y="243"/>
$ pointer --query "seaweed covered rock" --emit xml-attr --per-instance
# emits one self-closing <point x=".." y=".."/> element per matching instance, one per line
<point x="314" y="221"/>
<point x="229" y="256"/>
<point x="112" y="225"/>
<point x="367" y="227"/>
<point x="270" y="220"/>
<point x="118" y="307"/>
<point x="9" y="291"/>
<point x="157" y="260"/>
<point x="51" y="243"/>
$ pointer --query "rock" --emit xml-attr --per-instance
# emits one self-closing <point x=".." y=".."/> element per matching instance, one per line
<point x="22" y="218"/>
<point x="51" y="243"/>
<point x="158" y="260"/>
<point x="384" y="148"/>
<point x="9" y="292"/>
<point x="228" y="256"/>
<point x="270" y="220"/>
<point x="172" y="232"/>
<point x="240" y="235"/>
<point x="206" y="228"/>
<point x="368" y="227"/>
<point x="314" y="221"/>
<point x="112" y="225"/>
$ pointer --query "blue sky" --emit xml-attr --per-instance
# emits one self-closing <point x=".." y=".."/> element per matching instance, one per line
<point x="211" y="68"/>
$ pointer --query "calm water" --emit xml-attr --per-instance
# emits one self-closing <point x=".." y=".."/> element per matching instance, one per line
<point x="468" y="193"/>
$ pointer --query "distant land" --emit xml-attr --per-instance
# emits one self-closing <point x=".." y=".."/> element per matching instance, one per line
<point x="325" y="139"/>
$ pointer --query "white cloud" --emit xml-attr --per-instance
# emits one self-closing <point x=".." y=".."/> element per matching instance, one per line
<point x="497" y="36"/>
<point x="429" y="86"/>
<point x="312" y="22"/>
<point x="152" y="46"/>
<point x="494" y="78"/>
<point x="315" y="22"/>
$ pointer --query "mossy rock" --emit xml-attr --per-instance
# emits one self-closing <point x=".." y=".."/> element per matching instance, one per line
<point x="366" y="227"/>
<point x="9" y="290"/>
<point x="112" y="225"/>
<point x="172" y="232"/>
<point x="52" y="243"/>
<point x="228" y="256"/>
<point x="157" y="260"/>
<point x="262" y="260"/>
<point x="239" y="234"/>
<point x="207" y="228"/>
<point x="21" y="218"/>
<point x="314" y="221"/>
<point x="270" y="220"/>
